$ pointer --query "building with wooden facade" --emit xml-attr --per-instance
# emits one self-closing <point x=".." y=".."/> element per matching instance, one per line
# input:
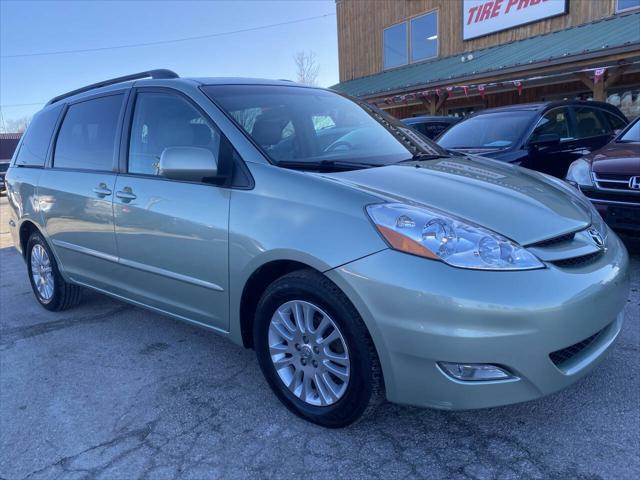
<point x="413" y="57"/>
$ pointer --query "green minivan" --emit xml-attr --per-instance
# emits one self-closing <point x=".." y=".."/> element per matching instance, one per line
<point x="361" y="261"/>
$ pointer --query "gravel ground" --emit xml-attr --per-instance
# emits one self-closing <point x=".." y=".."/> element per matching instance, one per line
<point x="111" y="391"/>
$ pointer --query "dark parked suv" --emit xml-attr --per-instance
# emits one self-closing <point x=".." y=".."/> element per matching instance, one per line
<point x="4" y="165"/>
<point x="541" y="136"/>
<point x="610" y="178"/>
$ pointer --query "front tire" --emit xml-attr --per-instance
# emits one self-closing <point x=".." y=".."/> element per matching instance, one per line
<point x="50" y="289"/>
<point x="315" y="351"/>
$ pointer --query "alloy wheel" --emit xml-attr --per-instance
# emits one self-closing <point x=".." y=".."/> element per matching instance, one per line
<point x="309" y="353"/>
<point x="42" y="273"/>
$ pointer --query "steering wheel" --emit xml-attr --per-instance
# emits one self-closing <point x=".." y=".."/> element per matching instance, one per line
<point x="339" y="144"/>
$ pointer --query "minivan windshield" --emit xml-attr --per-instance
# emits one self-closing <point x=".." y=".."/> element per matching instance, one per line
<point x="488" y="130"/>
<point x="632" y="135"/>
<point x="306" y="127"/>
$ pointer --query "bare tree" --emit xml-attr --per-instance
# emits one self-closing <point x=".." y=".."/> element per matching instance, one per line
<point x="307" y="67"/>
<point x="16" y="125"/>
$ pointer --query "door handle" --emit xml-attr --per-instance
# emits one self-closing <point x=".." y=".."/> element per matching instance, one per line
<point x="126" y="195"/>
<point x="101" y="190"/>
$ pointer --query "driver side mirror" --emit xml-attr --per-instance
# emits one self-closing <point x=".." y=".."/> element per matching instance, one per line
<point x="192" y="164"/>
<point x="544" y="140"/>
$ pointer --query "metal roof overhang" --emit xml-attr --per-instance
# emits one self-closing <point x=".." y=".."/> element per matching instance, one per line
<point x="569" y="63"/>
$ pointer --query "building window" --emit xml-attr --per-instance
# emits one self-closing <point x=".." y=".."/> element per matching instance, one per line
<point x="395" y="46"/>
<point x="424" y="37"/>
<point x="627" y="5"/>
<point x="420" y="43"/>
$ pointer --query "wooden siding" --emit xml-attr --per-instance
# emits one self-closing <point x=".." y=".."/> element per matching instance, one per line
<point x="361" y="23"/>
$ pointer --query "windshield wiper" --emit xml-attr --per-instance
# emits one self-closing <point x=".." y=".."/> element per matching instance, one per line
<point x="327" y="165"/>
<point x="423" y="156"/>
<point x="429" y="156"/>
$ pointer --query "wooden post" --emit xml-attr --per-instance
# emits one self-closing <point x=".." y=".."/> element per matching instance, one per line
<point x="585" y="79"/>
<point x="437" y="106"/>
<point x="599" y="89"/>
<point x="433" y="107"/>
<point x="615" y="76"/>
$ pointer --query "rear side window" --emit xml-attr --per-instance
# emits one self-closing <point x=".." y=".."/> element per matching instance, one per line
<point x="35" y="144"/>
<point x="87" y="138"/>
<point x="432" y="130"/>
<point x="589" y="123"/>
<point x="163" y="120"/>
<point x="615" y="121"/>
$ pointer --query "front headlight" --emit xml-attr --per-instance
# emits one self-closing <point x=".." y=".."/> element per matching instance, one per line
<point x="579" y="173"/>
<point x="433" y="234"/>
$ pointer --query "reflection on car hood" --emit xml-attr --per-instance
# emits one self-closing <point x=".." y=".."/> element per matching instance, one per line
<point x="521" y="204"/>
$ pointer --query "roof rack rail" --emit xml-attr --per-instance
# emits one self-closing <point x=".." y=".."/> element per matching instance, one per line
<point x="160" y="73"/>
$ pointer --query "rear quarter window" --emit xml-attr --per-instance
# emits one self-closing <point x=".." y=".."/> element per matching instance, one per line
<point x="36" y="140"/>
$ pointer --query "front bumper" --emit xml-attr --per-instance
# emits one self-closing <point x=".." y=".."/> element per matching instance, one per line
<point x="420" y="312"/>
<point x="621" y="210"/>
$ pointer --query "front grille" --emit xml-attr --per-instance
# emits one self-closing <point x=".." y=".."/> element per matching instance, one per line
<point x="559" y="357"/>
<point x="612" y="176"/>
<point x="613" y="181"/>
<point x="578" y="261"/>
<point x="620" y="196"/>
<point x="555" y="240"/>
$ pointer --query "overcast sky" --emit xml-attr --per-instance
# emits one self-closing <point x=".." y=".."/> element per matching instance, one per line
<point x="27" y="82"/>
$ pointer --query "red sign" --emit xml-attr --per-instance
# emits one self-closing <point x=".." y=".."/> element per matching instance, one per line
<point x="482" y="17"/>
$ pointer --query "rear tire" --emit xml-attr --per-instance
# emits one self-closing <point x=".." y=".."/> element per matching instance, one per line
<point x="50" y="289"/>
<point x="343" y="376"/>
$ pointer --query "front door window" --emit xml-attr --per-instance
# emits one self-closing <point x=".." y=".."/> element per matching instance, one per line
<point x="555" y="121"/>
<point x="163" y="120"/>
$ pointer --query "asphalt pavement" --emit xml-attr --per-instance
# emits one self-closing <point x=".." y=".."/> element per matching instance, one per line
<point x="111" y="391"/>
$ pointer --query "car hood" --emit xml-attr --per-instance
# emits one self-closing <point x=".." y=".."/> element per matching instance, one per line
<point x="520" y="204"/>
<point x="620" y="158"/>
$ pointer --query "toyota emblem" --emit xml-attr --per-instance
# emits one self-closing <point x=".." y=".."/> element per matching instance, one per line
<point x="596" y="237"/>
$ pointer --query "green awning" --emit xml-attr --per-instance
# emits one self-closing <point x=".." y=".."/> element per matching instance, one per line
<point x="592" y="38"/>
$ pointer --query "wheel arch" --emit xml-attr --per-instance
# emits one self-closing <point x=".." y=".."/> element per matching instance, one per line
<point x="254" y="287"/>
<point x="27" y="228"/>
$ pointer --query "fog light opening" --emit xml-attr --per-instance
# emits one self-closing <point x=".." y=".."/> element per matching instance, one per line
<point x="475" y="372"/>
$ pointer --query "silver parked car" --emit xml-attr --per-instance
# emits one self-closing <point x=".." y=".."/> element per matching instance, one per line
<point x="358" y="259"/>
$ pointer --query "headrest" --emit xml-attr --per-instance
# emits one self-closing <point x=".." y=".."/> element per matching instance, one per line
<point x="201" y="134"/>
<point x="267" y="129"/>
